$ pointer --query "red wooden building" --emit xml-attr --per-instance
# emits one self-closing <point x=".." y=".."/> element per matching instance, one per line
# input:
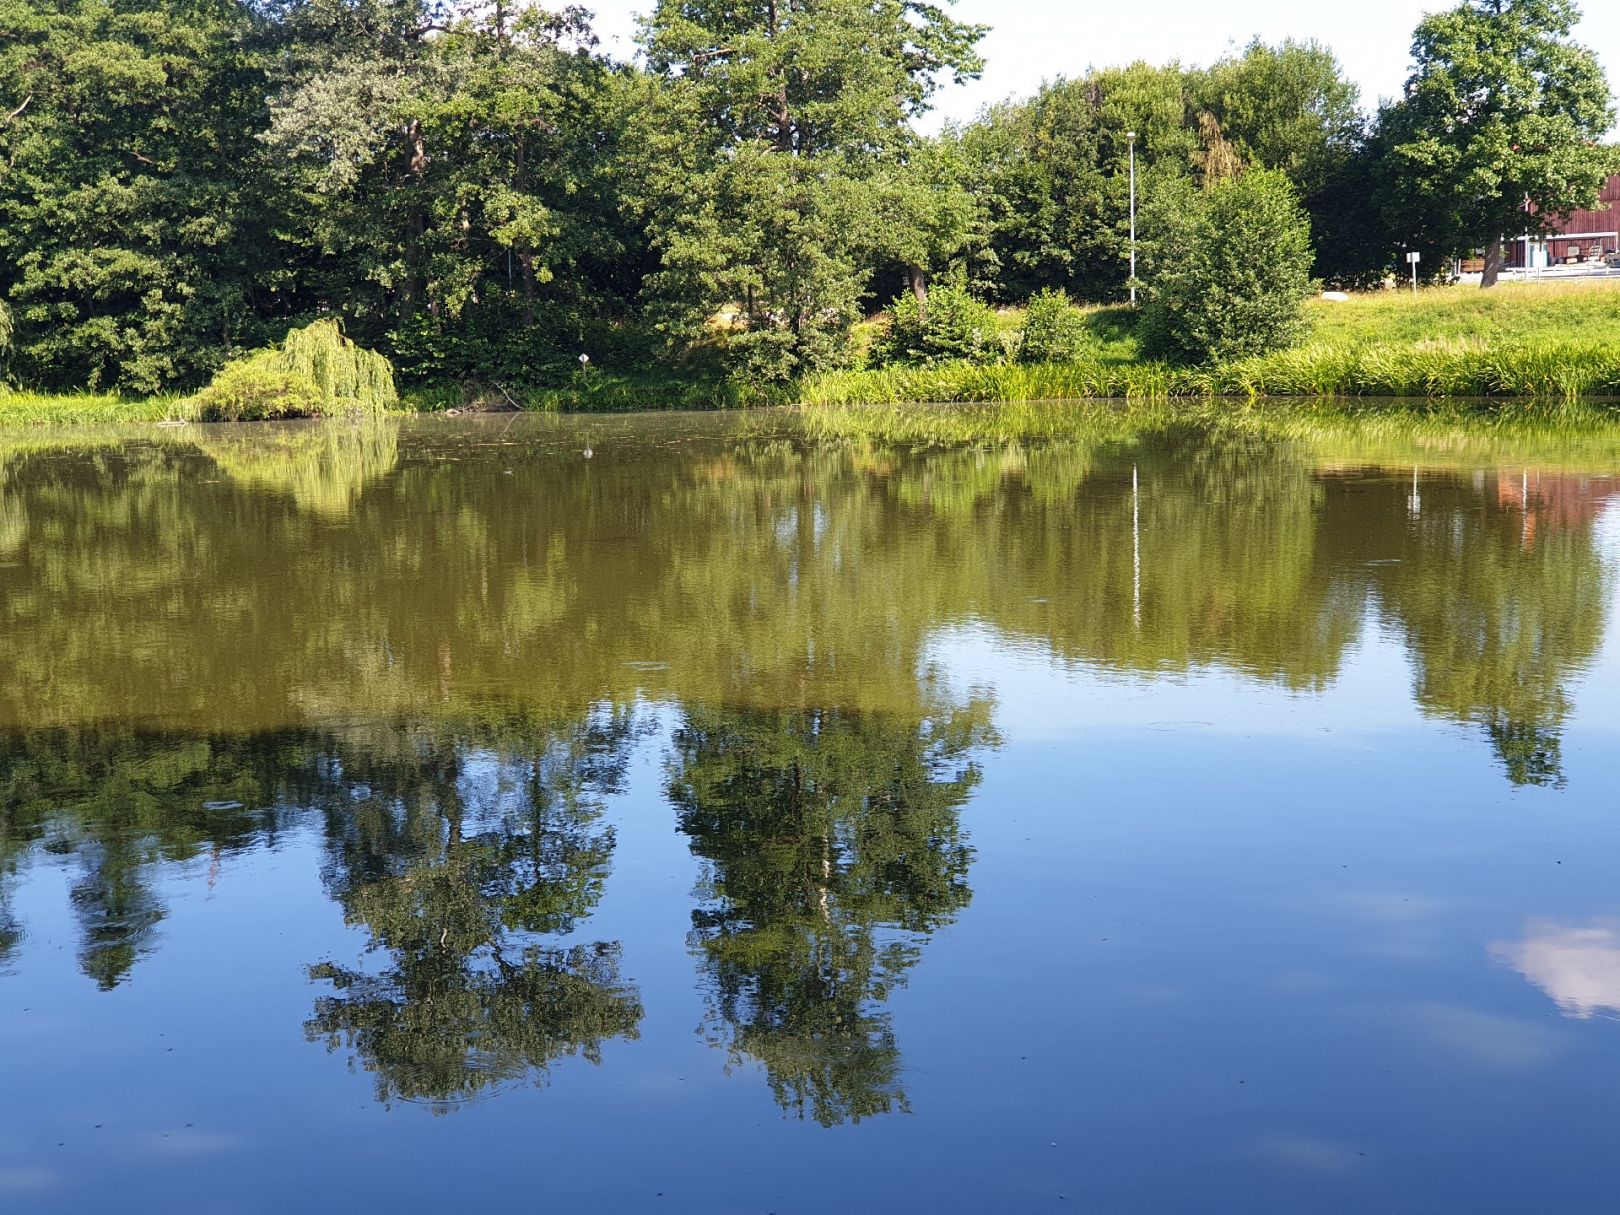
<point x="1585" y="235"/>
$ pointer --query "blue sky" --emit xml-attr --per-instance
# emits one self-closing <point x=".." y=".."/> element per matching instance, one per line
<point x="1032" y="40"/>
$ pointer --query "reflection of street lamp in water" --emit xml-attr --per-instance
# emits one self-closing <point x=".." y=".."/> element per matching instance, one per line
<point x="1136" y="549"/>
<point x="1524" y="510"/>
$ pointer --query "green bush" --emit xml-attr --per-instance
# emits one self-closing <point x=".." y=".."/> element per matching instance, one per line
<point x="769" y="355"/>
<point x="1228" y="270"/>
<point x="257" y="389"/>
<point x="954" y="327"/>
<point x="315" y="372"/>
<point x="1054" y="330"/>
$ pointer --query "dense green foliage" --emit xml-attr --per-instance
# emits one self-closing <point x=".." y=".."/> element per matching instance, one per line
<point x="776" y="132"/>
<point x="1055" y="200"/>
<point x="1228" y="272"/>
<point x="257" y="389"/>
<point x="482" y="196"/>
<point x="135" y="235"/>
<point x="952" y="325"/>
<point x="1054" y="330"/>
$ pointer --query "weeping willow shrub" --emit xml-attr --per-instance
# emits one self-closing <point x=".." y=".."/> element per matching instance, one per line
<point x="257" y="389"/>
<point x="316" y="372"/>
<point x="351" y="379"/>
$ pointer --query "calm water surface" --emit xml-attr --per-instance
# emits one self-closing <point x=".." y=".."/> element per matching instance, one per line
<point x="963" y="811"/>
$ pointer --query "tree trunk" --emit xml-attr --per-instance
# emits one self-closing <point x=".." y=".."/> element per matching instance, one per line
<point x="526" y="265"/>
<point x="525" y="256"/>
<point x="917" y="280"/>
<point x="783" y="115"/>
<point x="416" y="223"/>
<point x="1493" y="263"/>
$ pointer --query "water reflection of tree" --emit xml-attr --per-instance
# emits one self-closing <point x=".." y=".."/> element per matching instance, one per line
<point x="754" y="570"/>
<point x="464" y="874"/>
<point x="324" y="467"/>
<point x="467" y="850"/>
<point x="121" y="804"/>
<point x="833" y="850"/>
<point x="1501" y="602"/>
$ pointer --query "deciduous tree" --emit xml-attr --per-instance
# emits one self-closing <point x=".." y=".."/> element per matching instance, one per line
<point x="1500" y="129"/>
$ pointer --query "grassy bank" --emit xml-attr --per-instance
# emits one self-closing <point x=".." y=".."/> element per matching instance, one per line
<point x="1544" y="340"/>
<point x="1561" y="370"/>
<point x="1557" y="341"/>
<point x="83" y="409"/>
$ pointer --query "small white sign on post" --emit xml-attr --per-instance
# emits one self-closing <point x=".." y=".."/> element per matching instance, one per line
<point x="1412" y="259"/>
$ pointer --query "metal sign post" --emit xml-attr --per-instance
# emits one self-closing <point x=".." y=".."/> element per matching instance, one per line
<point x="1412" y="259"/>
<point x="1130" y="140"/>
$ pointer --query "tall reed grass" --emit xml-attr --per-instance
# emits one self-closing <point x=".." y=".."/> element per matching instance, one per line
<point x="81" y="409"/>
<point x="1556" y="370"/>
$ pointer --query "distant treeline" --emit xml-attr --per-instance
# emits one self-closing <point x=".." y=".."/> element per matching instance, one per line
<point x="479" y="192"/>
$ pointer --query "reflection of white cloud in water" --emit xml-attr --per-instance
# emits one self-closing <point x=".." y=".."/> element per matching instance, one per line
<point x="191" y="1143"/>
<point x="1305" y="1153"/>
<point x="1405" y="926"/>
<point x="1484" y="1039"/>
<point x="1578" y="965"/>
<point x="28" y="1180"/>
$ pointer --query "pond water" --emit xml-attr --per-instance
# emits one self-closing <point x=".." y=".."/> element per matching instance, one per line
<point x="953" y="810"/>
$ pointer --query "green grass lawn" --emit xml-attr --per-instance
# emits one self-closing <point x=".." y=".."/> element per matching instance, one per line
<point x="1546" y="340"/>
<point x="1515" y="312"/>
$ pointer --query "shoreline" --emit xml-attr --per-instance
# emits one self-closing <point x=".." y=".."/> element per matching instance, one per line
<point x="1550" y="342"/>
<point x="899" y="389"/>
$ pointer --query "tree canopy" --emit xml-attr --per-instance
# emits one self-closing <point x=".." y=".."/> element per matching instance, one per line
<point x="480" y="194"/>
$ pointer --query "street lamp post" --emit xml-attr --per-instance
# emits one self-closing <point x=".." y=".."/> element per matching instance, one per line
<point x="1130" y="140"/>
